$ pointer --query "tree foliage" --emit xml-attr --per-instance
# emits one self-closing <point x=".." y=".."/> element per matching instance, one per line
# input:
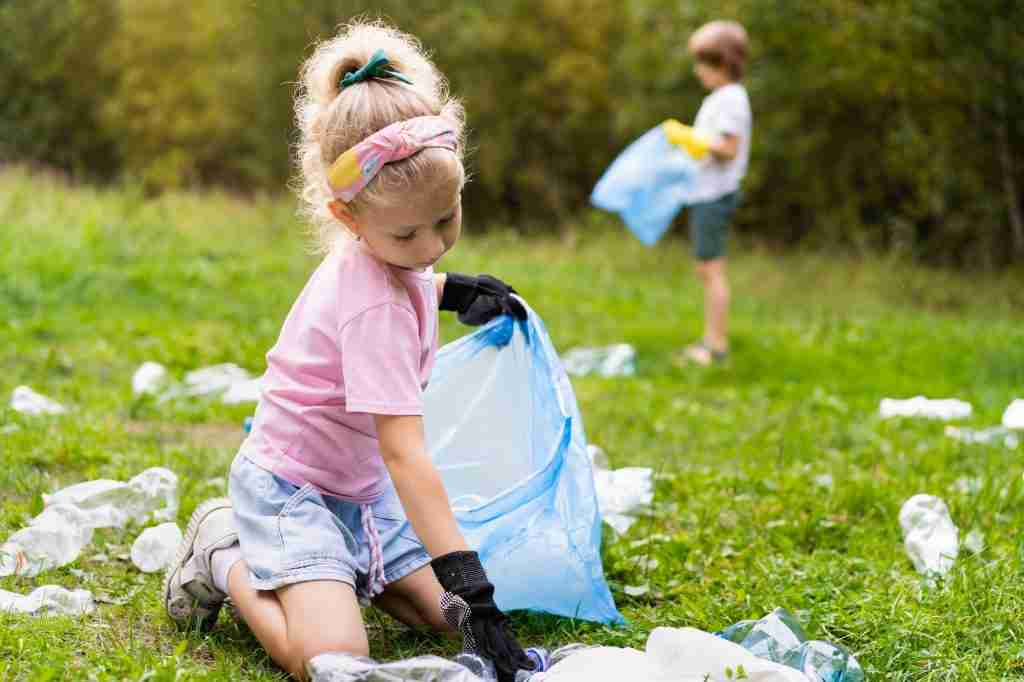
<point x="877" y="125"/>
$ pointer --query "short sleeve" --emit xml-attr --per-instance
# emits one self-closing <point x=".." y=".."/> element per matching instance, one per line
<point x="734" y="115"/>
<point x="380" y="362"/>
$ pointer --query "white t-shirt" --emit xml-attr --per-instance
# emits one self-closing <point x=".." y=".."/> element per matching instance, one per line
<point x="726" y="111"/>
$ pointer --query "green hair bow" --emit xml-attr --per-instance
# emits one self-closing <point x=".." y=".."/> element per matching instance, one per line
<point x="377" y="67"/>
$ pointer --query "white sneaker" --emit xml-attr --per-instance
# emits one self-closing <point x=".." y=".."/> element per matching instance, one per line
<point x="189" y="593"/>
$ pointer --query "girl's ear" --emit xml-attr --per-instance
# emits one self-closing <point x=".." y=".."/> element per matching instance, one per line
<point x="340" y="211"/>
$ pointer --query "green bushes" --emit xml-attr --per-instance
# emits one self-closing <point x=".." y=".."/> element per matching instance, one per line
<point x="878" y="126"/>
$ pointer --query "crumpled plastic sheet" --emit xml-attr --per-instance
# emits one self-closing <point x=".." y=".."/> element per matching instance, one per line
<point x="48" y="599"/>
<point x="929" y="535"/>
<point x="920" y="406"/>
<point x="155" y="548"/>
<point x="772" y="649"/>
<point x="1013" y="417"/>
<point x="27" y="401"/>
<point x="57" y="535"/>
<point x="234" y="383"/>
<point x="1009" y="439"/>
<point x="621" y="493"/>
<point x="243" y="392"/>
<point x="149" y="378"/>
<point x="671" y="655"/>
<point x="609" y="361"/>
<point x="340" y="667"/>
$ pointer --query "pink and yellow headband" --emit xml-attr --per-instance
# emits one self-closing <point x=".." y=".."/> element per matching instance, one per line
<point x="354" y="169"/>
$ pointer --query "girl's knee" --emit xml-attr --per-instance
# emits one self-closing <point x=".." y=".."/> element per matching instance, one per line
<point x="304" y="652"/>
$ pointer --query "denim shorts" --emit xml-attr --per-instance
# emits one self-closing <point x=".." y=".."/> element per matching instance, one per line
<point x="292" y="534"/>
<point x="709" y="225"/>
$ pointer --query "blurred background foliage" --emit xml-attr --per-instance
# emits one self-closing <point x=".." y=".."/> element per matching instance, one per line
<point x="878" y="126"/>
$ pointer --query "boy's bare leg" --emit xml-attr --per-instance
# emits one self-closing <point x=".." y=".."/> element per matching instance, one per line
<point x="716" y="303"/>
<point x="297" y="622"/>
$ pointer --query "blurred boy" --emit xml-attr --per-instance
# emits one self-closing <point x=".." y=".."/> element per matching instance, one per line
<point x="722" y="128"/>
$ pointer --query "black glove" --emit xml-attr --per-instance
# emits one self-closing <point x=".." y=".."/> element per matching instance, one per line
<point x="468" y="605"/>
<point x="480" y="299"/>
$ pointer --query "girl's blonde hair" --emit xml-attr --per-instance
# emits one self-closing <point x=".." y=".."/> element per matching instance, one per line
<point x="331" y="119"/>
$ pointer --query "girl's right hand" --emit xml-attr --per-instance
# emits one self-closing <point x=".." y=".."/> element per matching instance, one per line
<point x="479" y="299"/>
<point x="468" y="605"/>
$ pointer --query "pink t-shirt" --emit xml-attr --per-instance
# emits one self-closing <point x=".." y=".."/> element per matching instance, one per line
<point x="359" y="341"/>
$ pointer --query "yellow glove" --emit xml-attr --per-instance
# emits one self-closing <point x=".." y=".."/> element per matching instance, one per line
<point x="694" y="143"/>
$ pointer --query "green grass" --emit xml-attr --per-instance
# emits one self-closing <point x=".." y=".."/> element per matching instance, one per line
<point x="96" y="282"/>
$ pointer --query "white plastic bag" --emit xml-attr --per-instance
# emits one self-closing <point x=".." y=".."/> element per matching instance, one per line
<point x="929" y="535"/>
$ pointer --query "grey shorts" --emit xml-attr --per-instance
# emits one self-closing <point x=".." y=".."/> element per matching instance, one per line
<point x="709" y="226"/>
<point x="291" y="534"/>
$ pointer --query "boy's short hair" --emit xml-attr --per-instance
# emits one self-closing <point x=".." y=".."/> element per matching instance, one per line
<point x="722" y="44"/>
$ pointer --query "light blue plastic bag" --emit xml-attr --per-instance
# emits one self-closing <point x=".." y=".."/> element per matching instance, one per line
<point x="648" y="184"/>
<point x="504" y="430"/>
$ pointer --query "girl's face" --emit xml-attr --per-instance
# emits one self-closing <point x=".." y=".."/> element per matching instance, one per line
<point x="413" y="234"/>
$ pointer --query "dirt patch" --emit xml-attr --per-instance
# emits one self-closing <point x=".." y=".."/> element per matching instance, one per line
<point x="217" y="435"/>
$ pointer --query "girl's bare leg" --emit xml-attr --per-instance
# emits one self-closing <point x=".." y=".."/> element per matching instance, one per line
<point x="300" y="621"/>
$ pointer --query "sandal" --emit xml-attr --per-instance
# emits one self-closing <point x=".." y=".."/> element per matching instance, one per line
<point x="701" y="354"/>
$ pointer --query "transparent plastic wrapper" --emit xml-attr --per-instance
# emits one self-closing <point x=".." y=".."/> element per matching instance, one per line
<point x="27" y="401"/>
<point x="1013" y="417"/>
<point x="778" y="637"/>
<point x="927" y="408"/>
<point x="57" y="535"/>
<point x="648" y="184"/>
<point x="149" y="379"/>
<point x="112" y="504"/>
<point x="929" y="535"/>
<point x="155" y="547"/>
<point x="609" y="361"/>
<point x="53" y="538"/>
<point x="243" y="392"/>
<point x="340" y="667"/>
<point x="504" y="430"/>
<point x="49" y="600"/>
<point x="993" y="434"/>
<point x="671" y="655"/>
<point x="234" y="382"/>
<point x="621" y="493"/>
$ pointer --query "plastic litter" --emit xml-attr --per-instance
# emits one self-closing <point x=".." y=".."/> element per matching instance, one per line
<point x="671" y="655"/>
<point x="621" y="493"/>
<point x="929" y="535"/>
<point x="53" y="538"/>
<point x="243" y="392"/>
<point x="112" y="504"/>
<point x="57" y="535"/>
<point x="504" y="430"/>
<point x="50" y="600"/>
<point x="234" y="383"/>
<point x="648" y="184"/>
<point x="1009" y="439"/>
<point x="778" y="637"/>
<point x="155" y="547"/>
<point x="27" y="401"/>
<point x="975" y="542"/>
<point x="609" y="361"/>
<point x="1013" y="418"/>
<point x="340" y="667"/>
<point x="149" y="379"/>
<point x="919" y="406"/>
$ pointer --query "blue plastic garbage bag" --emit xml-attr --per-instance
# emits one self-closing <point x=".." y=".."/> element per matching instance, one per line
<point x="504" y="430"/>
<point x="648" y="184"/>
